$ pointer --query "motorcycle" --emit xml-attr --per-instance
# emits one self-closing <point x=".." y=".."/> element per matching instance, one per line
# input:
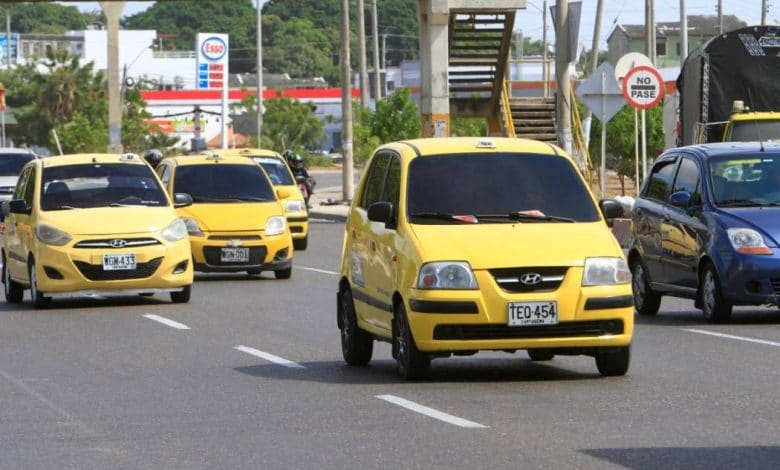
<point x="306" y="185"/>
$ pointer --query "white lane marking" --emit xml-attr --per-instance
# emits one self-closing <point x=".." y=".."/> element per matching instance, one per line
<point x="740" y="338"/>
<point x="322" y="271"/>
<point x="430" y="412"/>
<point x="270" y="357"/>
<point x="165" y="321"/>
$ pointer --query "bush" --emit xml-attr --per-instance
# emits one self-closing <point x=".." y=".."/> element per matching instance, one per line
<point x="316" y="160"/>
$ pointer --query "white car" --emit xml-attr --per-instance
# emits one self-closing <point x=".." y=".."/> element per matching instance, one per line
<point x="11" y="162"/>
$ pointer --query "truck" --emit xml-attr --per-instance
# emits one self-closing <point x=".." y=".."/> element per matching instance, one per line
<point x="729" y="89"/>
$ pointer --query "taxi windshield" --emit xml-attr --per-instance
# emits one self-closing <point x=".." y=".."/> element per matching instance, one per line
<point x="221" y="182"/>
<point x="493" y="188"/>
<point x="100" y="185"/>
<point x="276" y="169"/>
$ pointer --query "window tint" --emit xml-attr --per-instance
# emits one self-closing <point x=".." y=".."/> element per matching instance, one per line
<point x="277" y="170"/>
<point x="100" y="185"/>
<point x="29" y="188"/>
<point x="660" y="181"/>
<point x="21" y="184"/>
<point x="497" y="184"/>
<point x="688" y="179"/>
<point x="376" y="178"/>
<point x="223" y="183"/>
<point x="392" y="192"/>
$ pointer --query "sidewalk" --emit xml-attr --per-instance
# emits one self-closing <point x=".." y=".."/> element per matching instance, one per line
<point x="326" y="201"/>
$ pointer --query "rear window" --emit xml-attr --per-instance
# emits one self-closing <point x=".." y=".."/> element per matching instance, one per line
<point x="219" y="182"/>
<point x="11" y="163"/>
<point x="100" y="185"/>
<point x="498" y="184"/>
<point x="276" y="169"/>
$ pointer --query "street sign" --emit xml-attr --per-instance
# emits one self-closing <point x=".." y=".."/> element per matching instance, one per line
<point x="601" y="93"/>
<point x="628" y="62"/>
<point x="643" y="87"/>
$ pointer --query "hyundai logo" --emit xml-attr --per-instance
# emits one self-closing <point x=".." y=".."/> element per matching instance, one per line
<point x="531" y="279"/>
<point x="118" y="243"/>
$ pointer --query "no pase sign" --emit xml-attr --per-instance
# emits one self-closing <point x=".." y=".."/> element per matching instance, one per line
<point x="643" y="87"/>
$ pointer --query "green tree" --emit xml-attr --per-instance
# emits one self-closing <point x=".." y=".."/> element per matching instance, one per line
<point x="468" y="127"/>
<point x="45" y="18"/>
<point x="396" y="118"/>
<point x="82" y="135"/>
<point x="288" y="123"/>
<point x="298" y="48"/>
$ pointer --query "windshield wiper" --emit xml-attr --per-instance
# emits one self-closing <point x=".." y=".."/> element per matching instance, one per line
<point x="247" y="198"/>
<point x="520" y="216"/>
<point x="738" y="203"/>
<point x="463" y="219"/>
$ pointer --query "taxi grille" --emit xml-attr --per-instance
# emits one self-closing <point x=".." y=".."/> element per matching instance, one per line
<point x="294" y="229"/>
<point x="213" y="255"/>
<point x="234" y="237"/>
<point x="511" y="279"/>
<point x="95" y="272"/>
<point x="566" y="329"/>
<point x="116" y="243"/>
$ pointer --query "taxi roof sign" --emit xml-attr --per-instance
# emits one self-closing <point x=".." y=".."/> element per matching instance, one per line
<point x="486" y="144"/>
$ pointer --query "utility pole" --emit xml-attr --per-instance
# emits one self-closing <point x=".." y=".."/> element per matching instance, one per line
<point x="684" y="33"/>
<point x="113" y="10"/>
<point x="384" y="51"/>
<point x="259" y="74"/>
<point x="594" y="62"/>
<point x="377" y="72"/>
<point x="720" y="17"/>
<point x="764" y="7"/>
<point x="545" y="64"/>
<point x="346" y="105"/>
<point x="361" y="16"/>
<point x="653" y="40"/>
<point x="562" y="73"/>
<point x="8" y="44"/>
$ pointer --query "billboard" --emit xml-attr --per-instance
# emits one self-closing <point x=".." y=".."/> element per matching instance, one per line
<point x="212" y="60"/>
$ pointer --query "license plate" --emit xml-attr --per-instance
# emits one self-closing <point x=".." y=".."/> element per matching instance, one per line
<point x="533" y="313"/>
<point x="119" y="262"/>
<point x="235" y="255"/>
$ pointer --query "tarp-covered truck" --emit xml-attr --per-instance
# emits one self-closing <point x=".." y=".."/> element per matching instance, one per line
<point x="730" y="88"/>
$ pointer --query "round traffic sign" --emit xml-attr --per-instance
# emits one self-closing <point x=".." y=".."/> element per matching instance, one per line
<point x="628" y="62"/>
<point x="643" y="87"/>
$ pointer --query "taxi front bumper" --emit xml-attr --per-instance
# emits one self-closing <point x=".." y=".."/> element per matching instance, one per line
<point x="264" y="253"/>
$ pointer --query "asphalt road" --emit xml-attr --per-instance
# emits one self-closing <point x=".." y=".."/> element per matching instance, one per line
<point x="96" y="384"/>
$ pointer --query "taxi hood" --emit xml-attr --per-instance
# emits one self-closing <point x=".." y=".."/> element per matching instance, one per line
<point x="110" y="220"/>
<point x="504" y="245"/>
<point x="232" y="217"/>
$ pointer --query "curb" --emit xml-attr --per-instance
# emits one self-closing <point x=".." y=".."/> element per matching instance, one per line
<point x="327" y="216"/>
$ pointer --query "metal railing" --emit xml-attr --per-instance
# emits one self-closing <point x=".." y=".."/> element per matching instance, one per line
<point x="509" y="124"/>
<point x="545" y="73"/>
<point x="174" y="54"/>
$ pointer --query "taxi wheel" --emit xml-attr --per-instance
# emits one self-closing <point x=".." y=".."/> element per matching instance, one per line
<point x="39" y="300"/>
<point x="300" y="243"/>
<point x="613" y="363"/>
<point x="283" y="273"/>
<point x="357" y="346"/>
<point x="14" y="292"/>
<point x="713" y="307"/>
<point x="412" y="364"/>
<point x="540" y="354"/>
<point x="183" y="296"/>
<point x="646" y="300"/>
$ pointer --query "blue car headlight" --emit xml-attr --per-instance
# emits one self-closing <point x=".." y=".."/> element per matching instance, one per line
<point x="748" y="241"/>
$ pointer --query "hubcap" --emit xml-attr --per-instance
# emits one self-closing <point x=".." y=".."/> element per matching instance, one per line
<point x="709" y="292"/>
<point x="401" y="339"/>
<point x="346" y="332"/>
<point x="639" y="285"/>
<point x="33" y="284"/>
<point x="6" y="280"/>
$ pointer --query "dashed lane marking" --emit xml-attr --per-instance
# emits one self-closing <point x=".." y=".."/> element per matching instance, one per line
<point x="165" y="321"/>
<point x="740" y="338"/>
<point x="270" y="357"/>
<point x="430" y="412"/>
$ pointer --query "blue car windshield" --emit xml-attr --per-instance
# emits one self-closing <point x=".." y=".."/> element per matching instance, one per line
<point x="749" y="180"/>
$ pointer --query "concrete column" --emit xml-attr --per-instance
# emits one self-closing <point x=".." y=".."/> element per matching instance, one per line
<point x="434" y="57"/>
<point x="113" y="10"/>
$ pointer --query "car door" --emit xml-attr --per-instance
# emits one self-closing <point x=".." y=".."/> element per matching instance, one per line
<point x="686" y="231"/>
<point x="649" y="215"/>
<point x="362" y="240"/>
<point x="20" y="226"/>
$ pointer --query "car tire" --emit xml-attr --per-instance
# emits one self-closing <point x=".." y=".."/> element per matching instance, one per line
<point x="283" y="273"/>
<point x="412" y="363"/>
<point x="612" y="363"/>
<point x="540" y="354"/>
<point x="300" y="244"/>
<point x="39" y="299"/>
<point x="182" y="296"/>
<point x="646" y="300"/>
<point x="714" y="308"/>
<point x="14" y="292"/>
<point x="357" y="345"/>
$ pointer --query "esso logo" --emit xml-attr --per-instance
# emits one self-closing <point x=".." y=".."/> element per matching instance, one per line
<point x="213" y="48"/>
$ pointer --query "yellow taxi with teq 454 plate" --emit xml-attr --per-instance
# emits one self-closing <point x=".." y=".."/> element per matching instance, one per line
<point x="278" y="171"/>
<point x="236" y="222"/>
<point x="97" y="223"/>
<point x="458" y="245"/>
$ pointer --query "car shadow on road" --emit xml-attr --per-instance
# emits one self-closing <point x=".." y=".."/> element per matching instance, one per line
<point x="442" y="371"/>
<point x="710" y="458"/>
<point x="88" y="303"/>
<point x="740" y="316"/>
<point x="232" y="277"/>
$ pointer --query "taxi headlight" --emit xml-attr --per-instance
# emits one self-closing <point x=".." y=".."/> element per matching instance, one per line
<point x="605" y="271"/>
<point x="446" y="275"/>
<point x="275" y="225"/>
<point x="50" y="235"/>
<point x="748" y="241"/>
<point x="192" y="226"/>
<point x="175" y="231"/>
<point x="294" y="206"/>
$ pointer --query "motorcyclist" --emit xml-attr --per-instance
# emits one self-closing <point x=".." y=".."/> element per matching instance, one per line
<point x="153" y="157"/>
<point x="299" y="169"/>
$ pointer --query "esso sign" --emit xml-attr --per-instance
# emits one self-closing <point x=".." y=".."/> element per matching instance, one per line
<point x="213" y="48"/>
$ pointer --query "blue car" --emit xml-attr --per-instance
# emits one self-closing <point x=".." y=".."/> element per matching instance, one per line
<point x="706" y="226"/>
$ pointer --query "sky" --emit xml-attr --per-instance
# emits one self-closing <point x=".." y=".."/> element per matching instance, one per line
<point x="529" y="21"/>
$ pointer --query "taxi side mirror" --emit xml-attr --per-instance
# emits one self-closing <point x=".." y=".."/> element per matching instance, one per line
<point x="182" y="200"/>
<point x="19" y="206"/>
<point x="283" y="193"/>
<point x="381" y="212"/>
<point x="611" y="209"/>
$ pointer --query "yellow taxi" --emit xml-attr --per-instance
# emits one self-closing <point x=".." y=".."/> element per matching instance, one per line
<point x="457" y="245"/>
<point x="279" y="172"/>
<point x="236" y="222"/>
<point x="93" y="223"/>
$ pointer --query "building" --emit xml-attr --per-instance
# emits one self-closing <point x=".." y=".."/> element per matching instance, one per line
<point x="701" y="28"/>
